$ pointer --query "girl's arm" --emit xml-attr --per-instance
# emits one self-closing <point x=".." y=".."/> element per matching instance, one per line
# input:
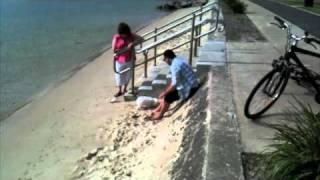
<point x="114" y="45"/>
<point x="136" y="40"/>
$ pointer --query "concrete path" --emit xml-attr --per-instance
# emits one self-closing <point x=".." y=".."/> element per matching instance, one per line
<point x="308" y="21"/>
<point x="248" y="63"/>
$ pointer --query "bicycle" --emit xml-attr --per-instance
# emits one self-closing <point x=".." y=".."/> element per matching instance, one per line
<point x="268" y="90"/>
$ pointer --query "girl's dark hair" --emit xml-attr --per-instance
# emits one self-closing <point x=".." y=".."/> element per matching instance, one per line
<point x="124" y="28"/>
<point x="169" y="54"/>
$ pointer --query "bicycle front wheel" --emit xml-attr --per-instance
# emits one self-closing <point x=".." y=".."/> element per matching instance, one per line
<point x="266" y="93"/>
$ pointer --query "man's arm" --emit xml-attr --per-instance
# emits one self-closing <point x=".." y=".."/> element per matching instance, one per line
<point x="168" y="89"/>
<point x="175" y="78"/>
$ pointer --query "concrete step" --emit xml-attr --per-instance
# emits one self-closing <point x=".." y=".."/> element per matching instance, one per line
<point x="212" y="54"/>
<point x="211" y="58"/>
<point x="158" y="78"/>
<point x="161" y="68"/>
<point x="145" y="89"/>
<point x="154" y="87"/>
<point x="213" y="45"/>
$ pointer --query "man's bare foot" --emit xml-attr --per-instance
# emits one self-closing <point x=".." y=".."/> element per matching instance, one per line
<point x="157" y="116"/>
<point x="152" y="113"/>
<point x="156" y="110"/>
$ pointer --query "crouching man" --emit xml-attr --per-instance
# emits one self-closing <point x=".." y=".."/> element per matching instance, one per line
<point x="183" y="84"/>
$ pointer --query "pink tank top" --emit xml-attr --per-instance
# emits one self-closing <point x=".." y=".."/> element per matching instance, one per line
<point x="119" y="44"/>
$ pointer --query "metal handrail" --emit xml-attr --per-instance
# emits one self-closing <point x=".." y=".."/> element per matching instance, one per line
<point x="174" y="21"/>
<point x="176" y="47"/>
<point x="196" y="26"/>
<point x="177" y="34"/>
<point x="174" y="25"/>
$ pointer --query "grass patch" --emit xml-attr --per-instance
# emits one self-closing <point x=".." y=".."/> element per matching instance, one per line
<point x="239" y="27"/>
<point x="237" y="6"/>
<point x="295" y="152"/>
<point x="300" y="4"/>
<point x="314" y="9"/>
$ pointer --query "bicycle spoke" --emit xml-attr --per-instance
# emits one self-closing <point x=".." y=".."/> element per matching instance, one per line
<point x="267" y="94"/>
<point x="272" y="84"/>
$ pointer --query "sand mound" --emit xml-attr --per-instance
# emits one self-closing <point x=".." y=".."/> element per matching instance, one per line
<point x="141" y="149"/>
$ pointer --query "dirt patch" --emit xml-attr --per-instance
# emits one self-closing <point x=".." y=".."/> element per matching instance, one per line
<point x="252" y="166"/>
<point x="239" y="27"/>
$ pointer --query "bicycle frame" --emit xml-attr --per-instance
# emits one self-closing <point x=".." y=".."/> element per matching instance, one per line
<point x="292" y="55"/>
<point x="288" y="66"/>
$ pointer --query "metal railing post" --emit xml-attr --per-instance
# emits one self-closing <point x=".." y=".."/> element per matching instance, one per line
<point x="196" y="41"/>
<point x="192" y="39"/>
<point x="155" y="48"/>
<point x="132" y="74"/>
<point x="145" y="53"/>
<point x="200" y="28"/>
<point x="212" y="13"/>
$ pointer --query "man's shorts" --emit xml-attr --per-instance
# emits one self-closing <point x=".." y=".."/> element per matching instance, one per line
<point x="174" y="95"/>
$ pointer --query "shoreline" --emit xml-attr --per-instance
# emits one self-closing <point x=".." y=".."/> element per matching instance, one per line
<point x="40" y="140"/>
<point x="5" y="115"/>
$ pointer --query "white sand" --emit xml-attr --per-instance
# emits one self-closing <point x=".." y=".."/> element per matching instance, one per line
<point x="142" y="150"/>
<point x="45" y="139"/>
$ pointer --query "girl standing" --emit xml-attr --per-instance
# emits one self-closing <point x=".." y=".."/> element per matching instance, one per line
<point x="123" y="46"/>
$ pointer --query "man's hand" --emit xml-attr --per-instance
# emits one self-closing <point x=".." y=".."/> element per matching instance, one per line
<point x="168" y="89"/>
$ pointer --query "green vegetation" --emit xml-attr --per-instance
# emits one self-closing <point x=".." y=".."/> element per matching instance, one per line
<point x="315" y="8"/>
<point x="237" y="6"/>
<point x="295" y="154"/>
<point x="300" y="4"/>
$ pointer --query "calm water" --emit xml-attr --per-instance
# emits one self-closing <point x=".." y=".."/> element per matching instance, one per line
<point x="43" y="40"/>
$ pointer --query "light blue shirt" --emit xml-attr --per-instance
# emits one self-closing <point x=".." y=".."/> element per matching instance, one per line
<point x="182" y="77"/>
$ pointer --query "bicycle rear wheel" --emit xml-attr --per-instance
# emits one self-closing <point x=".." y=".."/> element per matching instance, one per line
<point x="266" y="93"/>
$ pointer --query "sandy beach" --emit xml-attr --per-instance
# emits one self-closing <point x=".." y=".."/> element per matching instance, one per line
<point x="52" y="137"/>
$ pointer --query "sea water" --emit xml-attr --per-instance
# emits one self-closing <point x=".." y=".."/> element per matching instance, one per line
<point x="43" y="40"/>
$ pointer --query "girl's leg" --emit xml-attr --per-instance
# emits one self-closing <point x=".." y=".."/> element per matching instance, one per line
<point x="127" y="75"/>
<point x="119" y="93"/>
<point x="125" y="88"/>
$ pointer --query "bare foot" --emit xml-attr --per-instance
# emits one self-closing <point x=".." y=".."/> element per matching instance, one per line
<point x="157" y="116"/>
<point x="156" y="110"/>
<point x="151" y="113"/>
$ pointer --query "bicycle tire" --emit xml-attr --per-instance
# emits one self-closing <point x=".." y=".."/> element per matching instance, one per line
<point x="284" y="77"/>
